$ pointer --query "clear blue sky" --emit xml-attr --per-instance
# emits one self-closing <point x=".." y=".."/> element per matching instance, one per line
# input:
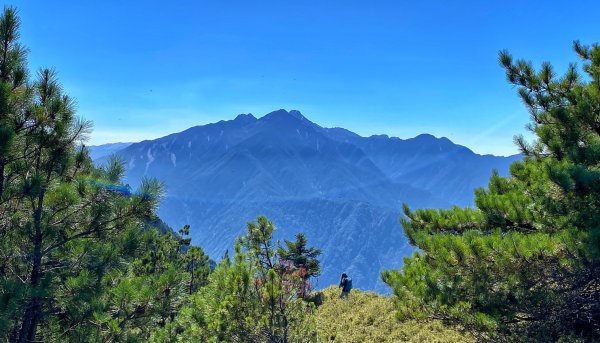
<point x="144" y="69"/>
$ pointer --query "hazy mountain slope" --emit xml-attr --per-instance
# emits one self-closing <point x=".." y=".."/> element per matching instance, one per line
<point x="344" y="191"/>
<point x="359" y="238"/>
<point x="279" y="157"/>
<point x="448" y="170"/>
<point x="100" y="151"/>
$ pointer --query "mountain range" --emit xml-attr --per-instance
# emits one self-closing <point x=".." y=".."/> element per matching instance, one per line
<point x="344" y="191"/>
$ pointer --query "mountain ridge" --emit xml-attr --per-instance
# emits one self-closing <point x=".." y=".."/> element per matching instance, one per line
<point x="343" y="190"/>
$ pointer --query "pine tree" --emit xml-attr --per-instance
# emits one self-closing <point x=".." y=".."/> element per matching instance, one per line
<point x="275" y="284"/>
<point x="14" y="92"/>
<point x="252" y="298"/>
<point x="303" y="259"/>
<point x="147" y="293"/>
<point x="60" y="216"/>
<point x="524" y="264"/>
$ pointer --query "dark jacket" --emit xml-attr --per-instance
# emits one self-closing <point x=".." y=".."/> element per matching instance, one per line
<point x="343" y="283"/>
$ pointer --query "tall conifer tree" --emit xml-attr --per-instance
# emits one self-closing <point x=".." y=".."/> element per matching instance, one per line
<point x="60" y="217"/>
<point x="524" y="264"/>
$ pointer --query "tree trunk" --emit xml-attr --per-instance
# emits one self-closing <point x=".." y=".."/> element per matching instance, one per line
<point x="32" y="312"/>
<point x="193" y="266"/>
<point x="1" y="178"/>
<point x="30" y="318"/>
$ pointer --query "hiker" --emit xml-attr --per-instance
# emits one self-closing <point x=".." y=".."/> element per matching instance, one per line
<point x="346" y="285"/>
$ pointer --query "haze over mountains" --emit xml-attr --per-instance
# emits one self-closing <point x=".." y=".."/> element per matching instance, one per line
<point x="342" y="190"/>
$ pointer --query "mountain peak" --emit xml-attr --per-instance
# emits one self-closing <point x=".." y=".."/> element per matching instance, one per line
<point x="281" y="114"/>
<point x="245" y="118"/>
<point x="278" y="113"/>
<point x="426" y="136"/>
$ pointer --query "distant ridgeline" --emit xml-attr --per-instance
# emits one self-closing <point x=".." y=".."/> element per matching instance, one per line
<point x="342" y="190"/>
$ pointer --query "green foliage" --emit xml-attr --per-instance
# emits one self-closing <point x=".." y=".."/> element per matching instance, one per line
<point x="198" y="265"/>
<point x="525" y="263"/>
<point x="303" y="259"/>
<point x="370" y="317"/>
<point x="253" y="298"/>
<point x="78" y="260"/>
<point x="84" y="258"/>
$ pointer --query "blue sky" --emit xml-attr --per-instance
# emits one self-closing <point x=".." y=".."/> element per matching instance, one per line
<point x="141" y="70"/>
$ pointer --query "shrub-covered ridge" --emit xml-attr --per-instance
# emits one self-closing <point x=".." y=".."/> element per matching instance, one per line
<point x="370" y="317"/>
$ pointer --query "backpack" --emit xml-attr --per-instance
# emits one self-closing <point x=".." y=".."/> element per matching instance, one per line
<point x="348" y="285"/>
